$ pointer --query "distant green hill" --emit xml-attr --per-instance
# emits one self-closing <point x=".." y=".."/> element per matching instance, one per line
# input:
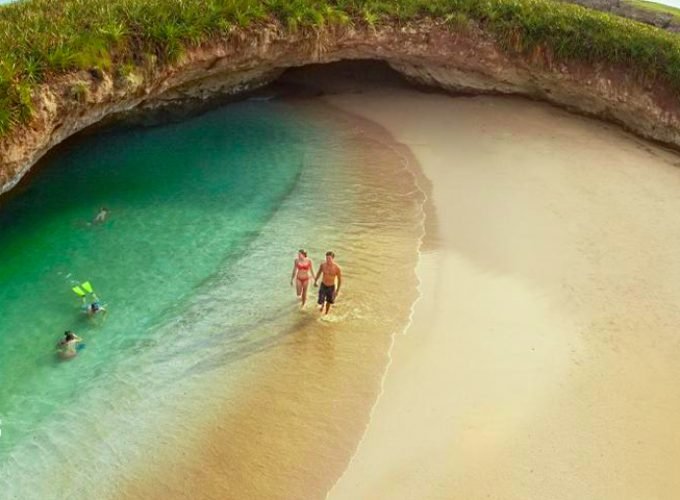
<point x="655" y="7"/>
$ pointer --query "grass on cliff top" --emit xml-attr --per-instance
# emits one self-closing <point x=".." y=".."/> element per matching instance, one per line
<point x="654" y="7"/>
<point x="40" y="39"/>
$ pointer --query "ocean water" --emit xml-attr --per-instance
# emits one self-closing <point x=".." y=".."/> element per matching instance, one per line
<point x="193" y="266"/>
<point x="175" y="217"/>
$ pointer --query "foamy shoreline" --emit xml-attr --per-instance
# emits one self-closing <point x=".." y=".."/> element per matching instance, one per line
<point x="539" y="361"/>
<point x="302" y="401"/>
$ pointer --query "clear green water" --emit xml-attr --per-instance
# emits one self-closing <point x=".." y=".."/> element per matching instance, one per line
<point x="194" y="265"/>
<point x="188" y="202"/>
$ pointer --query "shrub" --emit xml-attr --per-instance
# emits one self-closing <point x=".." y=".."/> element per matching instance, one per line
<point x="79" y="92"/>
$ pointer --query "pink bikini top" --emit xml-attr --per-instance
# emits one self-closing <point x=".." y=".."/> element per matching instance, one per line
<point x="303" y="267"/>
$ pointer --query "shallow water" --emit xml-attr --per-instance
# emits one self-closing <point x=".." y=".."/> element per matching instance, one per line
<point x="543" y="351"/>
<point x="193" y="265"/>
<point x="175" y="218"/>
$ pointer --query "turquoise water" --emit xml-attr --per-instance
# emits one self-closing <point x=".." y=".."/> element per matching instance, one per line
<point x="193" y="266"/>
<point x="185" y="201"/>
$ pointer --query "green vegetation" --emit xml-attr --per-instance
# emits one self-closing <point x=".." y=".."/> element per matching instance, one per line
<point x="655" y="7"/>
<point x="79" y="91"/>
<point x="40" y="39"/>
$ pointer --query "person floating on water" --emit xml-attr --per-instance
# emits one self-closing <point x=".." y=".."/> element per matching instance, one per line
<point x="67" y="347"/>
<point x="101" y="215"/>
<point x="328" y="292"/>
<point x="302" y="272"/>
<point x="91" y="303"/>
<point x="95" y="307"/>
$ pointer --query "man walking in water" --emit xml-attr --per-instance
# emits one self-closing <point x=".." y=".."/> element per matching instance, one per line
<point x="328" y="292"/>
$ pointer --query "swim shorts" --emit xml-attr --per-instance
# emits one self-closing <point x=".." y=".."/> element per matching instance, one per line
<point x="326" y="294"/>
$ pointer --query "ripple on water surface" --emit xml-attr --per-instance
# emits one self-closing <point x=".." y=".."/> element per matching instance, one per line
<point x="203" y="372"/>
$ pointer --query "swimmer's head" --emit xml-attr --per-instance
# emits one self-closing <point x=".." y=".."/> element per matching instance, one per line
<point x="69" y="335"/>
<point x="330" y="256"/>
<point x="302" y="253"/>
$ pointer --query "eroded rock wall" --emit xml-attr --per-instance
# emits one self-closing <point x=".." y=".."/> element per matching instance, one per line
<point x="464" y="60"/>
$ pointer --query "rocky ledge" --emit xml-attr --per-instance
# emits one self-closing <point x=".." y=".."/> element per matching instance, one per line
<point x="466" y="60"/>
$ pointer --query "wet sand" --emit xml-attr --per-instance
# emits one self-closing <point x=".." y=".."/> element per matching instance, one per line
<point x="280" y="419"/>
<point x="541" y="361"/>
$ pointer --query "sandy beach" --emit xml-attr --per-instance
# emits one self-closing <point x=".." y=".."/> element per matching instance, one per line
<point x="541" y="360"/>
<point x="280" y="415"/>
<point x="490" y="309"/>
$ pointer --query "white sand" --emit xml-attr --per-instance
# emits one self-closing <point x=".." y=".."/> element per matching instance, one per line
<point x="543" y="360"/>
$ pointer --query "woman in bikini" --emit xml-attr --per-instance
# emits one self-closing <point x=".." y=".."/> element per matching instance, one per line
<point x="302" y="272"/>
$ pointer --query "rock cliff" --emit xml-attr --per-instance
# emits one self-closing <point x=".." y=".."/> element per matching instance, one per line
<point x="458" y="60"/>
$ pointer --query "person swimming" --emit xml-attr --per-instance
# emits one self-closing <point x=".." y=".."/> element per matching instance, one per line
<point x="303" y="270"/>
<point x="101" y="215"/>
<point x="95" y="307"/>
<point x="67" y="347"/>
<point x="84" y="291"/>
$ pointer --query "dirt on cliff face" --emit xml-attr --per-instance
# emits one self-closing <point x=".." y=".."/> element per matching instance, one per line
<point x="426" y="53"/>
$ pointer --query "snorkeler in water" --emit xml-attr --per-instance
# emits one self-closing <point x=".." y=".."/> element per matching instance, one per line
<point x="67" y="347"/>
<point x="70" y="338"/>
<point x="101" y="215"/>
<point x="91" y="303"/>
<point x="95" y="307"/>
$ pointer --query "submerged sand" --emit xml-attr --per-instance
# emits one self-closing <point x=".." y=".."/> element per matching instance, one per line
<point x="281" y="416"/>
<point x="541" y="361"/>
<point x="541" y="357"/>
